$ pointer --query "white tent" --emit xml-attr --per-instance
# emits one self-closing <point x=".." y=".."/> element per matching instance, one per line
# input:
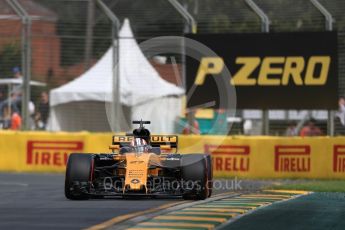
<point x="81" y="104"/>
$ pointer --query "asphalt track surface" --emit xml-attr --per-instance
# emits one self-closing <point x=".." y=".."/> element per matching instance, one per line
<point x="37" y="201"/>
<point x="318" y="211"/>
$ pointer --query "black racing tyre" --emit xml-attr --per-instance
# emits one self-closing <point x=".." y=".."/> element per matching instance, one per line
<point x="194" y="173"/>
<point x="79" y="169"/>
<point x="210" y="174"/>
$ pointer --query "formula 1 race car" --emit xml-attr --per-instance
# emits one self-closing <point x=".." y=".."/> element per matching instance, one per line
<point x="141" y="165"/>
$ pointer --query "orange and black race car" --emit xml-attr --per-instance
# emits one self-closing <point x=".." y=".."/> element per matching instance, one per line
<point x="141" y="165"/>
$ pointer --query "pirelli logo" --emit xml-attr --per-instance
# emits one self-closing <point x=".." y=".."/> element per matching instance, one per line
<point x="231" y="158"/>
<point x="51" y="153"/>
<point x="339" y="158"/>
<point x="292" y="158"/>
<point x="296" y="70"/>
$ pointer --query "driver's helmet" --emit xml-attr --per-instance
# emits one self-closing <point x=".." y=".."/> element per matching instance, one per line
<point x="139" y="145"/>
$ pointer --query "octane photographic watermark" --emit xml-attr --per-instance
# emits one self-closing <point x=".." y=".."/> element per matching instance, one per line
<point x="164" y="185"/>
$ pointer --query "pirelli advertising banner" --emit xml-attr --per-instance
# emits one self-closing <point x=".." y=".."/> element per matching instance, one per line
<point x="267" y="70"/>
<point x="273" y="157"/>
<point x="46" y="152"/>
<point x="248" y="157"/>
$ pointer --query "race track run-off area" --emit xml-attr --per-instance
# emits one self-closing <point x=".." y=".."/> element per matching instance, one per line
<point x="36" y="201"/>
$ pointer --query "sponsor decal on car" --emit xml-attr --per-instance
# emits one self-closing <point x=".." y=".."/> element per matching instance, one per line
<point x="135" y="181"/>
<point x="136" y="162"/>
<point x="172" y="159"/>
<point x="154" y="138"/>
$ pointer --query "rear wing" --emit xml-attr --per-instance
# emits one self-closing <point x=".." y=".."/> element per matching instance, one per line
<point x="155" y="140"/>
<point x="141" y="123"/>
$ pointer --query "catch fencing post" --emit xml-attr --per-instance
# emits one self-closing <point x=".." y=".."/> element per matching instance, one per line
<point x="192" y="25"/>
<point x="89" y="33"/>
<point x="116" y="103"/>
<point x="265" y="27"/>
<point x="26" y="60"/>
<point x="329" y="27"/>
<point x="190" y="28"/>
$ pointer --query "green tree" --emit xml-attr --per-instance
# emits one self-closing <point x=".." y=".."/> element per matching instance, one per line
<point x="10" y="56"/>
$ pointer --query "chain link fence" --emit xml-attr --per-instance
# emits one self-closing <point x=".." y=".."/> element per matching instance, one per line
<point x="68" y="37"/>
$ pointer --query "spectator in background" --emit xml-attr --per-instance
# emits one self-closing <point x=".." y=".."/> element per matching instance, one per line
<point x="17" y="90"/>
<point x="15" y="101"/>
<point x="12" y="120"/>
<point x="2" y="99"/>
<point x="310" y="129"/>
<point x="42" y="113"/>
<point x="16" y="94"/>
<point x="291" y="130"/>
<point x="247" y="127"/>
<point x="219" y="123"/>
<point x="191" y="130"/>
<point x="16" y="72"/>
<point x="340" y="115"/>
<point x="2" y="95"/>
<point x="32" y="114"/>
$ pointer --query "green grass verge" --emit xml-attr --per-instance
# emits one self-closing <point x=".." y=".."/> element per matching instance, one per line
<point x="313" y="185"/>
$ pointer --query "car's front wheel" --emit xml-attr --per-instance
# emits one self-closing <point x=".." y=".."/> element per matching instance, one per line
<point x="78" y="174"/>
<point x="194" y="175"/>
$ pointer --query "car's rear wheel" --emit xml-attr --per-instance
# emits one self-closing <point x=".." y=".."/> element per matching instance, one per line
<point x="194" y="174"/>
<point x="78" y="173"/>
